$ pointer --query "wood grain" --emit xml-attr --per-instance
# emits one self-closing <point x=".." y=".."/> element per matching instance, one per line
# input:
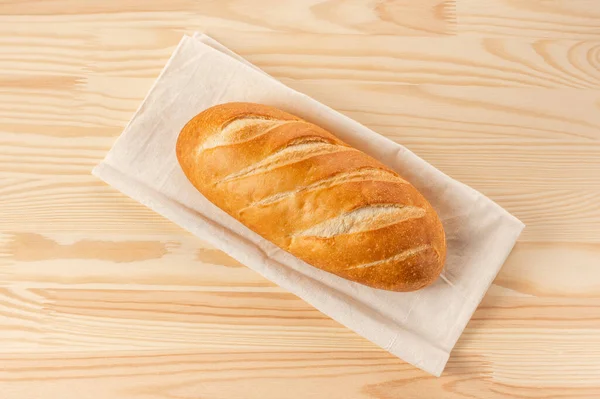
<point x="573" y="19"/>
<point x="101" y="298"/>
<point x="403" y="17"/>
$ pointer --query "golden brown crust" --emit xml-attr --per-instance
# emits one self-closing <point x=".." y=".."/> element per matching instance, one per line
<point x="308" y="192"/>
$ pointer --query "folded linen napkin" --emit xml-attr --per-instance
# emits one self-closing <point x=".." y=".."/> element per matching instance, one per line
<point x="420" y="327"/>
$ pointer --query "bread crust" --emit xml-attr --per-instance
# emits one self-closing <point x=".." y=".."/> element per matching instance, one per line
<point x="313" y="195"/>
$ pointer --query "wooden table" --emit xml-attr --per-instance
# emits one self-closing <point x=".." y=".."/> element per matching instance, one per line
<point x="101" y="298"/>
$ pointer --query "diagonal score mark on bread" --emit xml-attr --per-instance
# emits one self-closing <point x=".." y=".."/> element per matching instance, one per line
<point x="295" y="152"/>
<point x="365" y="174"/>
<point x="367" y="218"/>
<point x="396" y="258"/>
<point x="241" y="130"/>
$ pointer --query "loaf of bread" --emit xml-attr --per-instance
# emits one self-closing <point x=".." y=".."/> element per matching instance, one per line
<point x="313" y="195"/>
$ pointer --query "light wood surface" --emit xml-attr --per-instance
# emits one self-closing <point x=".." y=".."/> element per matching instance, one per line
<point x="101" y="298"/>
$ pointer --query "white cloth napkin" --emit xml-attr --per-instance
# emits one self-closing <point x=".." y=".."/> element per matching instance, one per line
<point x="420" y="327"/>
